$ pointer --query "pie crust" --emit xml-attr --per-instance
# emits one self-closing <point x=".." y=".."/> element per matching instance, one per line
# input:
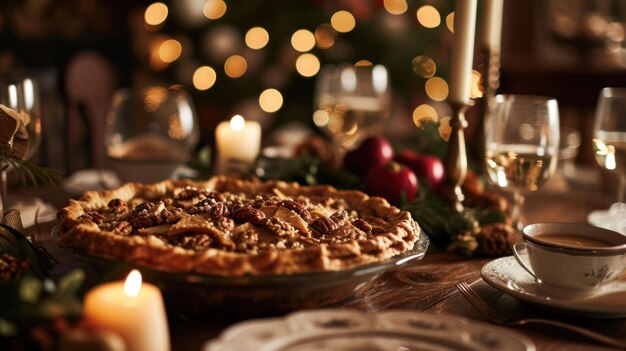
<point x="232" y="227"/>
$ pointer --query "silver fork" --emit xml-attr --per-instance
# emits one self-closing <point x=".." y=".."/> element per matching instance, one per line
<point x="498" y="318"/>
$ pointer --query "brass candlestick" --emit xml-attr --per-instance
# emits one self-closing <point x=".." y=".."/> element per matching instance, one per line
<point x="489" y="68"/>
<point x="455" y="164"/>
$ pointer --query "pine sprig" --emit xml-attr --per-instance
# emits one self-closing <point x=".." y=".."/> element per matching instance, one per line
<point x="26" y="170"/>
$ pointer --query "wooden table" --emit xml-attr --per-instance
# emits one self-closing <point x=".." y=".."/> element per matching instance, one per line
<point x="429" y="285"/>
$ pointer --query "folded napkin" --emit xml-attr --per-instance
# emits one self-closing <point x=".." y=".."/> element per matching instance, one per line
<point x="32" y="210"/>
<point x="90" y="179"/>
<point x="103" y="179"/>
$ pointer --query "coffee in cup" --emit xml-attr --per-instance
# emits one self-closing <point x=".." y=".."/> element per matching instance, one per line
<point x="572" y="258"/>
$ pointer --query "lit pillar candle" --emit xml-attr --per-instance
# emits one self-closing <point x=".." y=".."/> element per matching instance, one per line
<point x="133" y="310"/>
<point x="462" y="50"/>
<point x="491" y="31"/>
<point x="238" y="143"/>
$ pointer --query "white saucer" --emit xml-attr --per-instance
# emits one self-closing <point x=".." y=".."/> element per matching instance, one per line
<point x="343" y="329"/>
<point x="506" y="275"/>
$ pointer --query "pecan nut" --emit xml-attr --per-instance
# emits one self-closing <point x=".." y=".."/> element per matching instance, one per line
<point x="193" y="241"/>
<point x="191" y="192"/>
<point x="297" y="208"/>
<point x="266" y="201"/>
<point x="144" y="220"/>
<point x="363" y="225"/>
<point x="203" y="206"/>
<point x="324" y="225"/>
<point x="218" y="210"/>
<point x="122" y="228"/>
<point x="339" y="216"/>
<point x="246" y="240"/>
<point x="171" y="214"/>
<point x="148" y="208"/>
<point x="93" y="216"/>
<point x="238" y="204"/>
<point x="248" y="214"/>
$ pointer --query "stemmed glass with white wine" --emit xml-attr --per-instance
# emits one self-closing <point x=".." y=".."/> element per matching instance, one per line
<point x="22" y="95"/>
<point x="522" y="145"/>
<point x="351" y="102"/>
<point x="609" y="144"/>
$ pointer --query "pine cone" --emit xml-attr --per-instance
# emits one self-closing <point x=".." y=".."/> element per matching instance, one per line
<point x="318" y="147"/>
<point x="463" y="244"/>
<point x="487" y="199"/>
<point x="496" y="239"/>
<point x="11" y="267"/>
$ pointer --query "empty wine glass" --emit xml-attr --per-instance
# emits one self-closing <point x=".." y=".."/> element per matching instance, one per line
<point x="150" y="132"/>
<point x="351" y="102"/>
<point x="22" y="95"/>
<point x="609" y="144"/>
<point x="522" y="145"/>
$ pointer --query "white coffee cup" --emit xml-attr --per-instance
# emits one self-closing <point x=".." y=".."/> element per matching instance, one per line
<point x="572" y="258"/>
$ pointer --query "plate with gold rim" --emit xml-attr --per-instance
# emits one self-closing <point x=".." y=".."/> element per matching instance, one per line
<point x="344" y="329"/>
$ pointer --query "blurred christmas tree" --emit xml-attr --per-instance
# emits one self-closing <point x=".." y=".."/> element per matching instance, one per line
<point x="228" y="53"/>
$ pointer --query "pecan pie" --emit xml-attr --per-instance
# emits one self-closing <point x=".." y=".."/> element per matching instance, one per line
<point x="232" y="227"/>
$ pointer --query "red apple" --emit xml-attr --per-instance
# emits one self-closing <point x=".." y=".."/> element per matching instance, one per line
<point x="373" y="151"/>
<point x="427" y="167"/>
<point x="392" y="181"/>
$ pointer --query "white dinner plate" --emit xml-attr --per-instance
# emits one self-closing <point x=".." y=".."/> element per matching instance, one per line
<point x="613" y="219"/>
<point x="506" y="275"/>
<point x="344" y="329"/>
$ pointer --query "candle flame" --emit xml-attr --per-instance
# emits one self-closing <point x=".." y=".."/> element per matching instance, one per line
<point x="133" y="283"/>
<point x="237" y="122"/>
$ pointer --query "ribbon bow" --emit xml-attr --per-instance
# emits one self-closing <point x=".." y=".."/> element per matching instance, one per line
<point x="13" y="131"/>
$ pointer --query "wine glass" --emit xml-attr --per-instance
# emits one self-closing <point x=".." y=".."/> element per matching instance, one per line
<point x="22" y="95"/>
<point x="351" y="102"/>
<point x="150" y="132"/>
<point x="522" y="145"/>
<point x="609" y="143"/>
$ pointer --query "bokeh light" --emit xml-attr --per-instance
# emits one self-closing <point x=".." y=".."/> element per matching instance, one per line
<point x="424" y="66"/>
<point x="235" y="66"/>
<point x="303" y="40"/>
<point x="476" y="88"/>
<point x="321" y="118"/>
<point x="156" y="62"/>
<point x="424" y="113"/>
<point x="204" y="77"/>
<point x="437" y="88"/>
<point x="325" y="36"/>
<point x="214" y="9"/>
<point x="156" y="14"/>
<point x="363" y="63"/>
<point x="307" y="65"/>
<point x="257" y="38"/>
<point x="170" y="50"/>
<point x="395" y="7"/>
<point x="444" y="127"/>
<point x="450" y="22"/>
<point x="221" y="41"/>
<point x="428" y="16"/>
<point x="271" y="100"/>
<point x="343" y="21"/>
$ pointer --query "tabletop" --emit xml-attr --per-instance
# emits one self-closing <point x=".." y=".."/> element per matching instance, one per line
<point x="429" y="284"/>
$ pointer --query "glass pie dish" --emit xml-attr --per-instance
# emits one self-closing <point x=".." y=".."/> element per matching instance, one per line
<point x="196" y="294"/>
